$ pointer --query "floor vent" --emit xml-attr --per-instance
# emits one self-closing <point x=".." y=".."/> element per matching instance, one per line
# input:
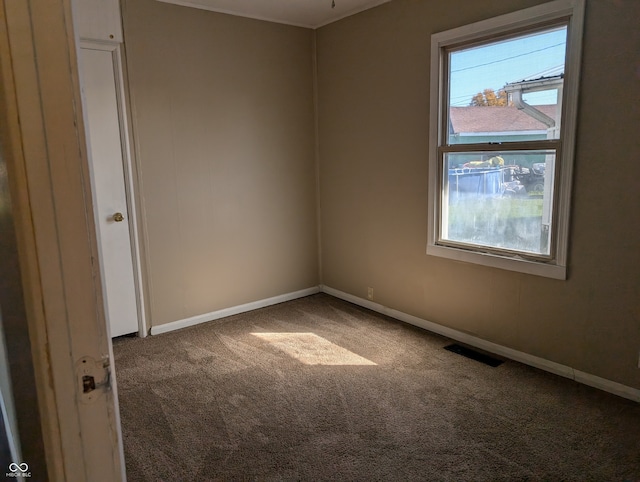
<point x="474" y="355"/>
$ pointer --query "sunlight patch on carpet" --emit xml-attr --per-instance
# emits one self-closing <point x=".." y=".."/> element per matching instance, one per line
<point x="312" y="349"/>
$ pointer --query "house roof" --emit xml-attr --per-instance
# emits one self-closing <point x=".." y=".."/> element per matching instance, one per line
<point x="552" y="73"/>
<point x="474" y="119"/>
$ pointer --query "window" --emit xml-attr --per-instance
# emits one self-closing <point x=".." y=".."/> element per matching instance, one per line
<point x="502" y="129"/>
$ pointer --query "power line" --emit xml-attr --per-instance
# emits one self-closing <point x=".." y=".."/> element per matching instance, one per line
<point x="461" y="97"/>
<point x="509" y="58"/>
<point x="465" y="98"/>
<point x="462" y="100"/>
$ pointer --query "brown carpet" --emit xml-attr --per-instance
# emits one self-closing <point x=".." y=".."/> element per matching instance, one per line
<point x="320" y="389"/>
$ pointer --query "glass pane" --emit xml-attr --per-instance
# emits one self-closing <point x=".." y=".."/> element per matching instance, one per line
<point x="499" y="200"/>
<point x="506" y="91"/>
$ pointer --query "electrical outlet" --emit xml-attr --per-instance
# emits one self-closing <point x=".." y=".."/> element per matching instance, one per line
<point x="370" y="293"/>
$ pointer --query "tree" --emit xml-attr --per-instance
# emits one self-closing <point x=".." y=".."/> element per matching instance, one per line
<point x="489" y="98"/>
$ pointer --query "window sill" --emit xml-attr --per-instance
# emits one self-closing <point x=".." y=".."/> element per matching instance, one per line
<point x="502" y="262"/>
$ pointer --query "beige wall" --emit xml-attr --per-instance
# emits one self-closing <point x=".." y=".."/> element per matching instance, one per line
<point x="224" y="123"/>
<point x="373" y="121"/>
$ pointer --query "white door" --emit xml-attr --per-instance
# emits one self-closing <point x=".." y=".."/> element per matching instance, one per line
<point x="100" y="86"/>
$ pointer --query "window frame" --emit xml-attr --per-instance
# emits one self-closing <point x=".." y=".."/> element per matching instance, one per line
<point x="556" y="12"/>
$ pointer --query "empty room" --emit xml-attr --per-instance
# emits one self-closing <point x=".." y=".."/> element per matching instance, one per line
<point x="320" y="240"/>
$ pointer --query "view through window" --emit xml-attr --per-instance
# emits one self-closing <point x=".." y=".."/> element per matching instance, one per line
<point x="504" y="103"/>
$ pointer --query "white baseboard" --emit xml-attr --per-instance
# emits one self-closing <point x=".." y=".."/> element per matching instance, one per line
<point x="549" y="366"/>
<point x="234" y="310"/>
<point x="607" y="385"/>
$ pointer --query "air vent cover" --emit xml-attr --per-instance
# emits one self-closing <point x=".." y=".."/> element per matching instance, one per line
<point x="474" y="355"/>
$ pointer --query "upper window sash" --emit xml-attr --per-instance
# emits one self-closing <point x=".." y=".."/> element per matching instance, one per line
<point x="558" y="12"/>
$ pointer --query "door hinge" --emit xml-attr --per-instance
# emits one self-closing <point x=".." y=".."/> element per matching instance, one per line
<point x="94" y="377"/>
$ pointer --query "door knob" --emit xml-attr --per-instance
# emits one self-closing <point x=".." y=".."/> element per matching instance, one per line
<point x="118" y="217"/>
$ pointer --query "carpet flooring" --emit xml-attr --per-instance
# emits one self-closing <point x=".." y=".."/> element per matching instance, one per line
<point x="320" y="389"/>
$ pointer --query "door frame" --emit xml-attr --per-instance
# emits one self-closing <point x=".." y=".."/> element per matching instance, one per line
<point x="48" y="172"/>
<point x="129" y="172"/>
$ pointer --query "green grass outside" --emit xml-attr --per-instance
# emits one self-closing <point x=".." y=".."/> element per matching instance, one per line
<point x="478" y="211"/>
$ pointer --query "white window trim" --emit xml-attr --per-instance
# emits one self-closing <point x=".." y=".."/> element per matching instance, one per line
<point x="573" y="10"/>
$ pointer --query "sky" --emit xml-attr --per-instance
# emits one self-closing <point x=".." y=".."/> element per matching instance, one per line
<point x="493" y="65"/>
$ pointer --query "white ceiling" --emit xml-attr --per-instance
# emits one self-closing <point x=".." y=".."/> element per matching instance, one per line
<point x="302" y="13"/>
